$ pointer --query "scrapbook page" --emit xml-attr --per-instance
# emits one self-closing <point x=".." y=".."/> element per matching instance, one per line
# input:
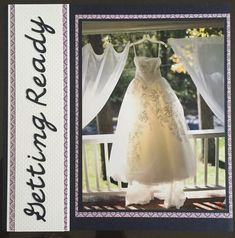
<point x="118" y="118"/>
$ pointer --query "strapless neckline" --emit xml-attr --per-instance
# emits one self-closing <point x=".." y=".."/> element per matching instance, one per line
<point x="147" y="58"/>
<point x="147" y="68"/>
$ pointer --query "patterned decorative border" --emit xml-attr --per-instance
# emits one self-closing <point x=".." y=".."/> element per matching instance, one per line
<point x="12" y="174"/>
<point x="76" y="115"/>
<point x="229" y="113"/>
<point x="148" y="16"/>
<point x="65" y="64"/>
<point x="177" y="214"/>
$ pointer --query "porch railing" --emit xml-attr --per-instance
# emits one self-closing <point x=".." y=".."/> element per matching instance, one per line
<point x="92" y="174"/>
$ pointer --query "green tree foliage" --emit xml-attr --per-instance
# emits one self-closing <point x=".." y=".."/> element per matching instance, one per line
<point x="179" y="80"/>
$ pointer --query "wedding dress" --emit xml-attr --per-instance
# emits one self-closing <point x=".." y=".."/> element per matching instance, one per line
<point x="151" y="146"/>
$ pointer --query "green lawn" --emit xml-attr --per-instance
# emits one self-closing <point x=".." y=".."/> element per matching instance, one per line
<point x="211" y="169"/>
<point x="90" y="148"/>
<point x="189" y="182"/>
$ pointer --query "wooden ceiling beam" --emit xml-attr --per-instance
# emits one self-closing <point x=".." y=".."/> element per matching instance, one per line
<point x="105" y="27"/>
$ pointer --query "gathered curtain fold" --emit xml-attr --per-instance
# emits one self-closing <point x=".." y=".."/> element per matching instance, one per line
<point x="203" y="59"/>
<point x="100" y="74"/>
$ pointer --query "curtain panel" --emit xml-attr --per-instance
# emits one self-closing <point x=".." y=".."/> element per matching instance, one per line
<point x="100" y="74"/>
<point x="203" y="59"/>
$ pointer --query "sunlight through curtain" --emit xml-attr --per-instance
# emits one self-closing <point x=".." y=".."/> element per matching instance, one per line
<point x="203" y="59"/>
<point x="100" y="74"/>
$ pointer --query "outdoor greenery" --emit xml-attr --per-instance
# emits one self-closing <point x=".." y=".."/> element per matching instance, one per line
<point x="171" y="68"/>
<point x="175" y="74"/>
<point x="180" y="82"/>
<point x="189" y="182"/>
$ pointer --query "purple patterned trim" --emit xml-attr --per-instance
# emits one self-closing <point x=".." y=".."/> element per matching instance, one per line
<point x="76" y="114"/>
<point x="147" y="16"/>
<point x="12" y="125"/>
<point x="146" y="214"/>
<point x="65" y="64"/>
<point x="178" y="214"/>
<point x="229" y="115"/>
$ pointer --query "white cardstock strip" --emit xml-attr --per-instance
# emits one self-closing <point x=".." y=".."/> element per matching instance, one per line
<point x="38" y="118"/>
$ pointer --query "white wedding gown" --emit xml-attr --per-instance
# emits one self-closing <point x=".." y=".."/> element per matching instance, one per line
<point x="151" y="145"/>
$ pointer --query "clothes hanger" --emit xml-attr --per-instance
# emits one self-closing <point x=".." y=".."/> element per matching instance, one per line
<point x="147" y="38"/>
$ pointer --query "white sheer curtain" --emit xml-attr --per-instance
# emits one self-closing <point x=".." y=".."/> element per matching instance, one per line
<point x="203" y="58"/>
<point x="100" y="74"/>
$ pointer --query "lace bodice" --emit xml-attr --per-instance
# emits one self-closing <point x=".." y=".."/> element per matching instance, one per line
<point x="147" y="68"/>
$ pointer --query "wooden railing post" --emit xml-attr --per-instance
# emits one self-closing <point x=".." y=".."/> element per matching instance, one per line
<point x="106" y="139"/>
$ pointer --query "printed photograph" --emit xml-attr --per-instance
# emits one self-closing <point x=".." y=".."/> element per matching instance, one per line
<point x="154" y="115"/>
